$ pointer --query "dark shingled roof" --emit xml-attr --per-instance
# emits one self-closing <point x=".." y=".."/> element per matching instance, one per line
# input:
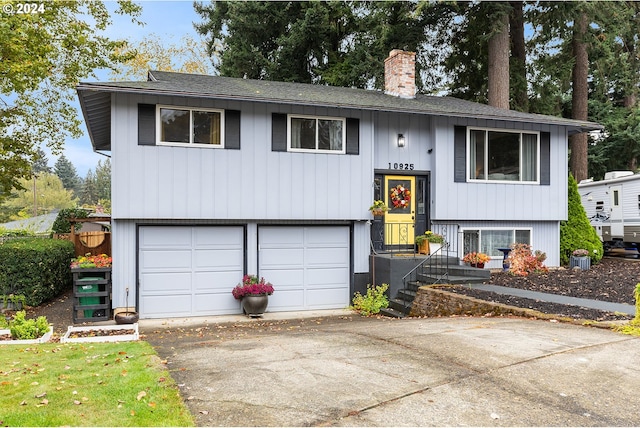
<point x="95" y="100"/>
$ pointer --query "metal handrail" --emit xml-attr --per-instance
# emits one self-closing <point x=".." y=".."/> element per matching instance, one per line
<point x="428" y="259"/>
<point x="412" y="275"/>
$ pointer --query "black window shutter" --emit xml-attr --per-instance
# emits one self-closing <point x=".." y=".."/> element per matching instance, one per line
<point x="146" y="124"/>
<point x="279" y="132"/>
<point x="545" y="158"/>
<point x="460" y="154"/>
<point x="232" y="129"/>
<point x="353" y="136"/>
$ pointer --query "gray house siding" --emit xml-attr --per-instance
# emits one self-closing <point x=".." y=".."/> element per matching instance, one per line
<point x="253" y="182"/>
<point x="509" y="201"/>
<point x="419" y="139"/>
<point x="545" y="236"/>
<point x="251" y="186"/>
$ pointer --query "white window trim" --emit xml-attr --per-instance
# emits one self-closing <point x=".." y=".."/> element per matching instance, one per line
<point x="512" y="131"/>
<point x="480" y="229"/>
<point x="302" y="116"/>
<point x="159" y="142"/>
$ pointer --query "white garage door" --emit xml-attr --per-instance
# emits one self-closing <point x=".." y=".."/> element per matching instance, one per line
<point x="189" y="271"/>
<point x="308" y="266"/>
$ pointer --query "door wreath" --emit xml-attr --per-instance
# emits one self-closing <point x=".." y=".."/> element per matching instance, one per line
<point x="400" y="197"/>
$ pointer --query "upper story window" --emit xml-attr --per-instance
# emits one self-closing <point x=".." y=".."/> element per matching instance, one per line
<point x="184" y="125"/>
<point x="499" y="155"/>
<point x="316" y="134"/>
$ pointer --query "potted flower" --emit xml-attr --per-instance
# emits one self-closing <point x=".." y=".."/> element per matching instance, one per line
<point x="378" y="208"/>
<point x="423" y="244"/>
<point x="253" y="295"/>
<point x="476" y="259"/>
<point x="580" y="258"/>
<point x="435" y="241"/>
<point x="91" y="262"/>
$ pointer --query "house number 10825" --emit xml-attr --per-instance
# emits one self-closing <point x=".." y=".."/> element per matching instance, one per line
<point x="407" y="166"/>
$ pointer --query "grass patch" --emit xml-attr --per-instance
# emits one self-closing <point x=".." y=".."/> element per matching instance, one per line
<point x="88" y="384"/>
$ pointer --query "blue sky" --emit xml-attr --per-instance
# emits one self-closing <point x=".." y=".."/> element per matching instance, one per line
<point x="168" y="19"/>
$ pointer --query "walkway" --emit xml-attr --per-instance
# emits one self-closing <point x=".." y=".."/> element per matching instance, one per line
<point x="556" y="298"/>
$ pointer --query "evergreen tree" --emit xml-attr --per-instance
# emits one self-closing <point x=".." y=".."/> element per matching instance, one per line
<point x="89" y="194"/>
<point x="103" y="181"/>
<point x="40" y="162"/>
<point x="577" y="232"/>
<point x="64" y="169"/>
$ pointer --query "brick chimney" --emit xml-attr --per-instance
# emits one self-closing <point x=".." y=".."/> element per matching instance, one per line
<point x="400" y="74"/>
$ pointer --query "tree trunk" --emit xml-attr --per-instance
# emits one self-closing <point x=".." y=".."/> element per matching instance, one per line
<point x="579" y="97"/>
<point x="518" y="58"/>
<point x="498" y="93"/>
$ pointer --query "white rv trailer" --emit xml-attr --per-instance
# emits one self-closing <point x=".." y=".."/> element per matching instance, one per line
<point x="613" y="208"/>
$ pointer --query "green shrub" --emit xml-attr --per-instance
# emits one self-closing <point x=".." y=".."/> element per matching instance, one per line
<point x="15" y="232"/>
<point x="38" y="268"/>
<point x="62" y="224"/>
<point x="22" y="328"/>
<point x="373" y="301"/>
<point x="577" y="232"/>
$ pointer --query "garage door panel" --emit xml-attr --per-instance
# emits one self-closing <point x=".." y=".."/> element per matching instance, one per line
<point x="327" y="278"/>
<point x="166" y="282"/>
<point x="216" y="281"/>
<point x="283" y="277"/>
<point x="327" y="298"/>
<point x="166" y="305"/>
<point x="219" y="303"/>
<point x="281" y="257"/>
<point x="216" y="259"/>
<point x="161" y="236"/>
<point x="286" y="300"/>
<point x="327" y="256"/>
<point x="224" y="237"/>
<point x="189" y="270"/>
<point x="320" y="236"/>
<point x="281" y="237"/>
<point x="166" y="259"/>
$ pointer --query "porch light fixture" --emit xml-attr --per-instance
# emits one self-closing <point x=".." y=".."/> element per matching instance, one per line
<point x="401" y="140"/>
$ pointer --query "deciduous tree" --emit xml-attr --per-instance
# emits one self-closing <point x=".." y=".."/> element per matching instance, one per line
<point x="42" y="57"/>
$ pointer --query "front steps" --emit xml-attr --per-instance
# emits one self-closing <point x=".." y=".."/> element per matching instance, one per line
<point x="400" y="305"/>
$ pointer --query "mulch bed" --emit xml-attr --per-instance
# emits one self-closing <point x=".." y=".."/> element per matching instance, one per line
<point x="611" y="280"/>
<point x="100" y="333"/>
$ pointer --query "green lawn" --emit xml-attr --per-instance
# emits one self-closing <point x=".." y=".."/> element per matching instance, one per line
<point x="87" y="384"/>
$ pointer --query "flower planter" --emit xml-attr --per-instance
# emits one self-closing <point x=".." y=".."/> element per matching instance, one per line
<point x="434" y="247"/>
<point x="584" y="263"/>
<point x="42" y="339"/>
<point x="254" y="305"/>
<point x="129" y="317"/>
<point x="104" y="333"/>
<point x="423" y="247"/>
<point x="377" y="212"/>
<point x="478" y="265"/>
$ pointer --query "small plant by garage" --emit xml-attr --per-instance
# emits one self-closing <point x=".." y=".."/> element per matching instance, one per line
<point x="374" y="300"/>
<point x="23" y="328"/>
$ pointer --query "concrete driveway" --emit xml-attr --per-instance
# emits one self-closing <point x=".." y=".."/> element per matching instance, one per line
<point x="338" y="369"/>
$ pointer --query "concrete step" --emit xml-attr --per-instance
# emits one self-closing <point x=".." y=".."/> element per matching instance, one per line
<point x="400" y="305"/>
<point x="390" y="312"/>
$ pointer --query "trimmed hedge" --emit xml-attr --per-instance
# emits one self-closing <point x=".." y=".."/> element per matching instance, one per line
<point x="38" y="268"/>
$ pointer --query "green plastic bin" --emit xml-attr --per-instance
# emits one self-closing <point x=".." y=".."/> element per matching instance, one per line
<point x="91" y="300"/>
